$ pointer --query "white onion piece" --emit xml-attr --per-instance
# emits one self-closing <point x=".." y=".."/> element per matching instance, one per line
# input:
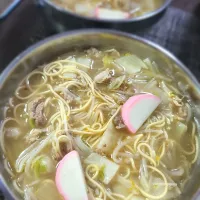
<point x="131" y="64"/>
<point x="110" y="170"/>
<point x="83" y="148"/>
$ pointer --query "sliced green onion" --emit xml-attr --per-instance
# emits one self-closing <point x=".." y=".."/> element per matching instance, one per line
<point x="107" y="60"/>
<point x="101" y="174"/>
<point x="42" y="165"/>
<point x="32" y="123"/>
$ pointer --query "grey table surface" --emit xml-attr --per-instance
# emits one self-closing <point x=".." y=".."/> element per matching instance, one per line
<point x="177" y="31"/>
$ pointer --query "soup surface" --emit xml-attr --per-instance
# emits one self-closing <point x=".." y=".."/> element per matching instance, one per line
<point x="75" y="103"/>
<point x="110" y="9"/>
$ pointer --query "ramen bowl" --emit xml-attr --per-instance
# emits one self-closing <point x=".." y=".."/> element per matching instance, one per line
<point x="55" y="46"/>
<point x="63" y="19"/>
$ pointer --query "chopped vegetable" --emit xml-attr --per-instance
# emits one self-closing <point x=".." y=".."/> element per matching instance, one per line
<point x="160" y="93"/>
<point x="84" y="149"/>
<point x="70" y="96"/>
<point x="176" y="172"/>
<point x="152" y="87"/>
<point x="85" y="61"/>
<point x="103" y="13"/>
<point x="47" y="187"/>
<point x="72" y="59"/>
<point x="131" y="64"/>
<point x="144" y="176"/>
<point x="167" y="90"/>
<point x="24" y="115"/>
<point x="147" y="61"/>
<point x="127" y="54"/>
<point x="110" y="169"/>
<point x="116" y="82"/>
<point x="113" y="52"/>
<point x="151" y="65"/>
<point x="107" y="60"/>
<point x="158" y="185"/>
<point x="109" y="139"/>
<point x="121" y="186"/>
<point x="31" y="123"/>
<point x="103" y="76"/>
<point x="180" y="130"/>
<point x="42" y="165"/>
<point x="101" y="174"/>
<point x="137" y="109"/>
<point x="70" y="179"/>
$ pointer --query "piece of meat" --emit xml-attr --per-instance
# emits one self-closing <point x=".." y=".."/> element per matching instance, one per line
<point x="119" y="98"/>
<point x="94" y="52"/>
<point x="35" y="134"/>
<point x="99" y="151"/>
<point x="37" y="111"/>
<point x="56" y="155"/>
<point x="118" y="122"/>
<point x="65" y="148"/>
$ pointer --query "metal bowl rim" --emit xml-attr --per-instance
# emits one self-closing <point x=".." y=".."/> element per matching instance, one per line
<point x="135" y="19"/>
<point x="5" y="74"/>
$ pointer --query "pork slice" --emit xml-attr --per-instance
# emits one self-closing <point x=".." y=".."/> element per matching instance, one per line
<point x="37" y="111"/>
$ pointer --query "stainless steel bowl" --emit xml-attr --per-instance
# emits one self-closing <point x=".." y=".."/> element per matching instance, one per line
<point x="63" y="19"/>
<point x="50" y="48"/>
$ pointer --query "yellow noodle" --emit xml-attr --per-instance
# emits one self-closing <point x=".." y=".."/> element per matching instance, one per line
<point x="113" y="196"/>
<point x="38" y="85"/>
<point x="136" y="142"/>
<point x="144" y="154"/>
<point x="52" y="67"/>
<point x="197" y="150"/>
<point x="17" y="188"/>
<point x="128" y="172"/>
<point x="2" y="135"/>
<point x="133" y="164"/>
<point x="91" y="179"/>
<point x="165" y="189"/>
<point x="36" y="92"/>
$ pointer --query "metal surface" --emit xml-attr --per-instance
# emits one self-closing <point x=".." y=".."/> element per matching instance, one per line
<point x="60" y="18"/>
<point x="50" y="48"/>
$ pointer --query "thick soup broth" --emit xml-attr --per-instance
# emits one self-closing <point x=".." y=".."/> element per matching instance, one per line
<point x="75" y="103"/>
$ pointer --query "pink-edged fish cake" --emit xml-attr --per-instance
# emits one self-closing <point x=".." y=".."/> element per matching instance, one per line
<point x="70" y="179"/>
<point x="137" y="109"/>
